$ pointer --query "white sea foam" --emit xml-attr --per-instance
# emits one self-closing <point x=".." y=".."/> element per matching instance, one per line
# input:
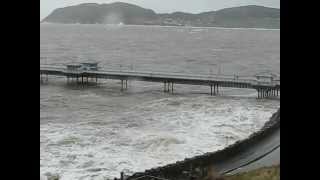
<point x="96" y="132"/>
<point x="148" y="135"/>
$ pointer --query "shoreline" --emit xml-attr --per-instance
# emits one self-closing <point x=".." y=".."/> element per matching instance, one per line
<point x="170" y="26"/>
<point x="205" y="160"/>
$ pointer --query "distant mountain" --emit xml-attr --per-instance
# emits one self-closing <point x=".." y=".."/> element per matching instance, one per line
<point x="115" y="13"/>
<point x="92" y="13"/>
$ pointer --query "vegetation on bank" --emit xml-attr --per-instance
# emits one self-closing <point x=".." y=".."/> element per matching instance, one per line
<point x="267" y="173"/>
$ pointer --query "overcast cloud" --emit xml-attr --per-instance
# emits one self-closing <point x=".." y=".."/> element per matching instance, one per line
<point x="162" y="6"/>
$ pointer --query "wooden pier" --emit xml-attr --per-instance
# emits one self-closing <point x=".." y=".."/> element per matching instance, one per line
<point x="214" y="82"/>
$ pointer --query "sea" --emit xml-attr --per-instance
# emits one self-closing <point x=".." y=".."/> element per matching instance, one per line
<point x="98" y="131"/>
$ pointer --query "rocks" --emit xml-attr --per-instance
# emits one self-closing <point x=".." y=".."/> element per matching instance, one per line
<point x="52" y="176"/>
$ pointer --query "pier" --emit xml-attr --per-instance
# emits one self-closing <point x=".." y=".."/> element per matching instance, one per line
<point x="265" y="85"/>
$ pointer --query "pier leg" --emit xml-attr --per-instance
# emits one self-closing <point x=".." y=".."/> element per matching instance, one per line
<point x="211" y="89"/>
<point x="121" y="176"/>
<point x="266" y="93"/>
<point x="260" y="93"/>
<point x="172" y="87"/>
<point x="121" y="85"/>
<point x="217" y="88"/>
<point x="214" y="89"/>
<point x="164" y="88"/>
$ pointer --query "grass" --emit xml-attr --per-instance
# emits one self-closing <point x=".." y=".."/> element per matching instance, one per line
<point x="267" y="173"/>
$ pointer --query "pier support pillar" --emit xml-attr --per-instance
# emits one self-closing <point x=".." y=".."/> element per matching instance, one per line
<point x="217" y="88"/>
<point x="211" y="89"/>
<point x="124" y="84"/>
<point x="121" y="176"/>
<point x="172" y="87"/>
<point x="266" y="93"/>
<point x="274" y="92"/>
<point x="121" y="85"/>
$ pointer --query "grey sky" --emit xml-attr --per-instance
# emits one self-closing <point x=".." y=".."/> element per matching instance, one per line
<point x="162" y="6"/>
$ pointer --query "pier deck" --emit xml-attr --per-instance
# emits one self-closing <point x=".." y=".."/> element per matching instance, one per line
<point x="265" y="89"/>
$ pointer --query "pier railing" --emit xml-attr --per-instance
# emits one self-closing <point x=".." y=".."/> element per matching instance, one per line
<point x="267" y="87"/>
<point x="216" y="77"/>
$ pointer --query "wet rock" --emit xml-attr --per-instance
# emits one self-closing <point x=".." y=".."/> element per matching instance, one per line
<point x="52" y="176"/>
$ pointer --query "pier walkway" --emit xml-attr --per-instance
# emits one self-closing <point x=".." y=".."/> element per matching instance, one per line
<point x="214" y="82"/>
